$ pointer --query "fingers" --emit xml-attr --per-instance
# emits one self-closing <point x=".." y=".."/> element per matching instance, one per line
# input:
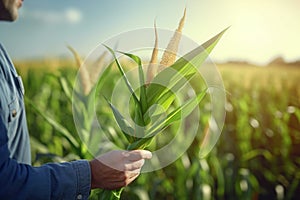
<point x="136" y="159"/>
<point x="117" y="168"/>
<point x="138" y="155"/>
<point x="125" y="160"/>
<point x="131" y="166"/>
<point x="132" y="177"/>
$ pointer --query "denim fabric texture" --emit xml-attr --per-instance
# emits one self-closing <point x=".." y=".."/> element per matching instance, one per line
<point x="18" y="179"/>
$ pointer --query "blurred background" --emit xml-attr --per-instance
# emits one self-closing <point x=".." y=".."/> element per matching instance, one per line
<point x="257" y="155"/>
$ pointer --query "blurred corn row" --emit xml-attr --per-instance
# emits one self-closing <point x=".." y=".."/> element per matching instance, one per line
<point x="257" y="156"/>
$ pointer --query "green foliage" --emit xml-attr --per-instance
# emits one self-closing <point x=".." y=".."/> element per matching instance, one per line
<point x="257" y="152"/>
<point x="271" y="157"/>
<point x="172" y="78"/>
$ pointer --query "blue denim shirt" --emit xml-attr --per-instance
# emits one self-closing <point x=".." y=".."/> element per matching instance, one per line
<point x="18" y="179"/>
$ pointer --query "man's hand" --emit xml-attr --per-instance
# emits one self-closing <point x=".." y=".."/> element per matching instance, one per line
<point x="117" y="169"/>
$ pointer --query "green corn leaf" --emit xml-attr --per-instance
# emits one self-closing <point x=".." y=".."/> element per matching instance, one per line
<point x="139" y="120"/>
<point x="83" y="112"/>
<point x="254" y="182"/>
<point x="111" y="194"/>
<point x="38" y="146"/>
<point x="175" y="76"/>
<point x="66" y="86"/>
<point x="143" y="97"/>
<point x="179" y="113"/>
<point x="102" y="78"/>
<point x="255" y="153"/>
<point x="124" y="75"/>
<point x="168" y="96"/>
<point x="127" y="130"/>
<point x="63" y="131"/>
<point x="219" y="172"/>
<point x="138" y="117"/>
<point x="140" y="144"/>
<point x="166" y="99"/>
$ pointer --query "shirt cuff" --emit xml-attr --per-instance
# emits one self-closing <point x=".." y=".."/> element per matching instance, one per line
<point x="83" y="174"/>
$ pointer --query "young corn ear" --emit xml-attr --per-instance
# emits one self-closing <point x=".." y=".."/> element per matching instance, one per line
<point x="169" y="56"/>
<point x="84" y="77"/>
<point x="153" y="62"/>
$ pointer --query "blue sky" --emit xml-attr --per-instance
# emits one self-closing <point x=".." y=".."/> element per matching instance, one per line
<point x="260" y="29"/>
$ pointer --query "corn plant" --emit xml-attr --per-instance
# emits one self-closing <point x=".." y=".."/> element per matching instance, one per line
<point x="82" y="109"/>
<point x="156" y="87"/>
<point x="272" y="96"/>
<point x="149" y="123"/>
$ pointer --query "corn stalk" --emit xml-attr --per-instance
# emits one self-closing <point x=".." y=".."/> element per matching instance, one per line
<point x="173" y="78"/>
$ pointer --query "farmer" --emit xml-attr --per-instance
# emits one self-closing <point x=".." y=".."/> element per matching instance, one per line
<point x="70" y="180"/>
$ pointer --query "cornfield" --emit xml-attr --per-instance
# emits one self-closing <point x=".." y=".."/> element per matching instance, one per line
<point x="256" y="157"/>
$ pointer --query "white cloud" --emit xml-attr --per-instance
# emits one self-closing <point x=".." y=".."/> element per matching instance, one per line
<point x="69" y="16"/>
<point x="73" y="15"/>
